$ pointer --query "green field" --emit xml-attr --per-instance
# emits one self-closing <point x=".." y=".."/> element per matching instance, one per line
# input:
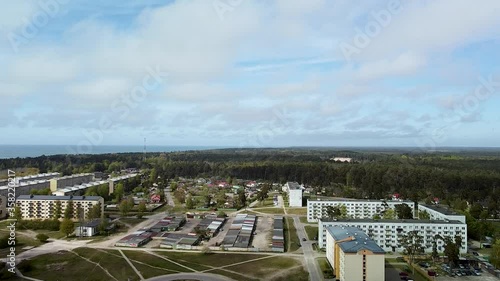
<point x="291" y="235"/>
<point x="325" y="267"/>
<point x="297" y="211"/>
<point x="262" y="268"/>
<point x="270" y="210"/>
<point x="311" y="231"/>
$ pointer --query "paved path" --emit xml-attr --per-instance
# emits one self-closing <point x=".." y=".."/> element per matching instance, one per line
<point x="131" y="265"/>
<point x="281" y="202"/>
<point x="191" y="276"/>
<point x="168" y="195"/>
<point x="309" y="253"/>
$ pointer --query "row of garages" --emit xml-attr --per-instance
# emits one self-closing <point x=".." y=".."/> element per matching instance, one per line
<point x="169" y="224"/>
<point x="136" y="239"/>
<point x="240" y="232"/>
<point x="179" y="241"/>
<point x="278" y="240"/>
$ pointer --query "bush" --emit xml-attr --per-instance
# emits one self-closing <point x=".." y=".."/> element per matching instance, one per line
<point x="42" y="237"/>
<point x="52" y="225"/>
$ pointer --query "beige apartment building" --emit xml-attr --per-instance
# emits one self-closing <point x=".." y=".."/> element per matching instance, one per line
<point x="43" y="206"/>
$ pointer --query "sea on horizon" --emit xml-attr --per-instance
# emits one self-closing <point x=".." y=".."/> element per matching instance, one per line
<point x="23" y="151"/>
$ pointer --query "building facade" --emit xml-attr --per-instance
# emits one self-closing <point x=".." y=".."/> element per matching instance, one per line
<point x="353" y="255"/>
<point x="77" y="179"/>
<point x="367" y="209"/>
<point x="387" y="233"/>
<point x="44" y="206"/>
<point x="294" y="191"/>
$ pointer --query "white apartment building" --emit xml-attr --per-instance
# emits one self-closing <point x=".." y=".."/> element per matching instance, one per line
<point x="353" y="255"/>
<point x="45" y="176"/>
<point x="366" y="209"/>
<point x="294" y="191"/>
<point x="76" y="179"/>
<point x="386" y="233"/>
<point x="43" y="206"/>
<point x="361" y="209"/>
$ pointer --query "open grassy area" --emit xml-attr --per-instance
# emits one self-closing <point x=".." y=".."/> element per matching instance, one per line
<point x="304" y="220"/>
<point x="234" y="276"/>
<point x="311" y="231"/>
<point x="64" y="266"/>
<point x="296" y="274"/>
<point x="297" y="211"/>
<point x="21" y="242"/>
<point x="262" y="268"/>
<point x="131" y="221"/>
<point x="325" y="267"/>
<point x="154" y="261"/>
<point x="110" y="259"/>
<point x="291" y="235"/>
<point x="149" y="272"/>
<point x="270" y="210"/>
<point x="207" y="260"/>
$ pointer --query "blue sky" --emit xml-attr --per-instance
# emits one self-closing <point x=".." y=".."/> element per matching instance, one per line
<point x="250" y="73"/>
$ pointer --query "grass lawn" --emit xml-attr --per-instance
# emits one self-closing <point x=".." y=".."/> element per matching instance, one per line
<point x="311" y="231"/>
<point x="262" y="268"/>
<point x="298" y="274"/>
<point x="231" y="275"/>
<point x="215" y="259"/>
<point x="291" y="235"/>
<point x="154" y="261"/>
<point x="304" y="220"/>
<point x="270" y="210"/>
<point x="297" y="211"/>
<point x="21" y="242"/>
<point x="63" y="266"/>
<point x="149" y="272"/>
<point x="110" y="259"/>
<point x="325" y="267"/>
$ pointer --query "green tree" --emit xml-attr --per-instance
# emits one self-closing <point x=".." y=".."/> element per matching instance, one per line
<point x="124" y="207"/>
<point x="495" y="254"/>
<point x="389" y="214"/>
<point x="67" y="227"/>
<point x="242" y="198"/>
<point x="220" y="197"/>
<point x="141" y="209"/>
<point x="376" y="217"/>
<point x="435" y="253"/>
<point x="475" y="210"/>
<point x="333" y="211"/>
<point x="69" y="212"/>
<point x="118" y="191"/>
<point x="451" y="250"/>
<point x="412" y="244"/>
<point x="95" y="212"/>
<point x="190" y="202"/>
<point x="57" y="210"/>
<point x="42" y="237"/>
<point x="18" y="215"/>
<point x="424" y="215"/>
<point x="404" y="211"/>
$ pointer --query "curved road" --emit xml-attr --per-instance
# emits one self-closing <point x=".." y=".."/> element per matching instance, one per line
<point x="189" y="276"/>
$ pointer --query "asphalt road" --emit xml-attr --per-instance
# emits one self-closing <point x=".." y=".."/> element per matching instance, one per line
<point x="191" y="276"/>
<point x="309" y="253"/>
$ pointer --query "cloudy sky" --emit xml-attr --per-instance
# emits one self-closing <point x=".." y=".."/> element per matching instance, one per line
<point x="250" y="73"/>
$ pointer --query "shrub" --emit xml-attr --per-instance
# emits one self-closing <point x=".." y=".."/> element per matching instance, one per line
<point x="42" y="237"/>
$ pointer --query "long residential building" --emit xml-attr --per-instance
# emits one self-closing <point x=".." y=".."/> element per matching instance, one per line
<point x="353" y="255"/>
<point x="367" y="209"/>
<point x="76" y="179"/>
<point x="43" y="206"/>
<point x="45" y="176"/>
<point x="387" y="233"/>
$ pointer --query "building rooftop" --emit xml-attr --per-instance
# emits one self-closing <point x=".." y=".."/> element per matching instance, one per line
<point x="360" y="200"/>
<point x="50" y="197"/>
<point x="412" y="221"/>
<point x="355" y="240"/>
<point x="293" y="185"/>
<point x="443" y="210"/>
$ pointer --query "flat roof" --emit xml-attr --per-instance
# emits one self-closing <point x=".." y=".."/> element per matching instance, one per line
<point x="413" y="221"/>
<point x="293" y="185"/>
<point x="360" y="200"/>
<point x="443" y="210"/>
<point x="359" y="240"/>
<point x="51" y="197"/>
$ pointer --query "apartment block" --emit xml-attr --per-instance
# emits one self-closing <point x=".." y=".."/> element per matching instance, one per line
<point x="353" y="255"/>
<point x="294" y="191"/>
<point x="77" y="179"/>
<point x="387" y="233"/>
<point x="43" y="206"/>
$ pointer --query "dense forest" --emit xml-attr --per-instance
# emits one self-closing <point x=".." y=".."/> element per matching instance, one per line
<point x="456" y="178"/>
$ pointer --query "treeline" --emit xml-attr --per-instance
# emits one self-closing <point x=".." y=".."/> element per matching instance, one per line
<point x="453" y="177"/>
